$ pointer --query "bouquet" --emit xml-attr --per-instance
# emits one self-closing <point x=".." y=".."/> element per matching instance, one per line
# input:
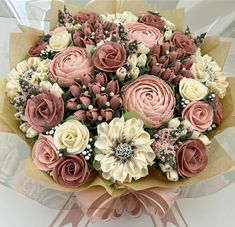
<point x="127" y="102"/>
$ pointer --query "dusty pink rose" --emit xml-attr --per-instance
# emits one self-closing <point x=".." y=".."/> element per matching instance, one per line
<point x="192" y="158"/>
<point x="217" y="110"/>
<point x="151" y="98"/>
<point x="71" y="171"/>
<point x="152" y="20"/>
<point x="148" y="35"/>
<point x="199" y="114"/>
<point x="70" y="64"/>
<point x="44" y="153"/>
<point x="83" y="17"/>
<point x="36" y="49"/>
<point x="109" y="57"/>
<point x="184" y="42"/>
<point x="44" y="111"/>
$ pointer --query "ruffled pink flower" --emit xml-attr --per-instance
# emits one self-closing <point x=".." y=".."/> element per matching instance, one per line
<point x="192" y="158"/>
<point x="44" y="153"/>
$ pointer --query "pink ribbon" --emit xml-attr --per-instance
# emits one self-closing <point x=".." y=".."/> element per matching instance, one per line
<point x="95" y="204"/>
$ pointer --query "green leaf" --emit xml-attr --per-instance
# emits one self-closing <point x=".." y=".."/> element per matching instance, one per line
<point x="90" y="50"/>
<point x="129" y="115"/>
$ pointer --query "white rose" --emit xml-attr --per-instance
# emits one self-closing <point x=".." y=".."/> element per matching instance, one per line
<point x="186" y="124"/>
<point x="132" y="60"/>
<point x="192" y="89"/>
<point x="167" y="35"/>
<point x="204" y="139"/>
<point x="56" y="90"/>
<point x="142" y="49"/>
<point x="45" y="85"/>
<point x="121" y="73"/>
<point x="59" y="41"/>
<point x="172" y="175"/>
<point x="169" y="24"/>
<point x="127" y="17"/>
<point x="24" y="127"/>
<point x="141" y="60"/>
<point x="31" y="132"/>
<point x="174" y="123"/>
<point x="72" y="135"/>
<point x="134" y="72"/>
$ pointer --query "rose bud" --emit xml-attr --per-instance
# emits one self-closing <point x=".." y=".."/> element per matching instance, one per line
<point x="85" y="100"/>
<point x="165" y="47"/>
<point x="188" y="63"/>
<point x="178" y="66"/>
<point x="77" y="41"/>
<point x="180" y="52"/>
<point x="156" y="50"/>
<point x="155" y="70"/>
<point x="86" y="79"/>
<point x="154" y="60"/>
<point x="113" y="86"/>
<point x="165" y="60"/>
<point x="187" y="74"/>
<point x="81" y="115"/>
<point x="107" y="114"/>
<point x="101" y="78"/>
<point x="173" y="56"/>
<point x="115" y="102"/>
<point x="72" y="104"/>
<point x="101" y="99"/>
<point x="95" y="88"/>
<point x="177" y="79"/>
<point x="167" y="74"/>
<point x="75" y="90"/>
<point x="88" y="41"/>
<point x="93" y="114"/>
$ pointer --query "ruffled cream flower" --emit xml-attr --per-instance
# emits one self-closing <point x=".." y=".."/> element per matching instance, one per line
<point x="59" y="41"/>
<point x="122" y="150"/>
<point x="191" y="89"/>
<point x="72" y="135"/>
<point x="208" y="71"/>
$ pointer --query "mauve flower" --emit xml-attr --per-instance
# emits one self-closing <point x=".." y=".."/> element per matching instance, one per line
<point x="144" y="33"/>
<point x="95" y="88"/>
<point x="71" y="171"/>
<point x="77" y="39"/>
<point x="151" y="98"/>
<point x="81" y="115"/>
<point x="75" y="90"/>
<point x="188" y="63"/>
<point x="101" y="99"/>
<point x="86" y="79"/>
<point x="87" y="28"/>
<point x="88" y="41"/>
<point x="44" y="153"/>
<point x="82" y="17"/>
<point x="85" y="100"/>
<point x="184" y="42"/>
<point x="199" y="114"/>
<point x="93" y="114"/>
<point x="152" y="20"/>
<point x="113" y="86"/>
<point x="44" y="111"/>
<point x="72" y="104"/>
<point x="70" y="64"/>
<point x="168" y="74"/>
<point x="107" y="114"/>
<point x="115" y="102"/>
<point x="109" y="57"/>
<point x="101" y="78"/>
<point x="192" y="158"/>
<point x="217" y="110"/>
<point x="36" y="49"/>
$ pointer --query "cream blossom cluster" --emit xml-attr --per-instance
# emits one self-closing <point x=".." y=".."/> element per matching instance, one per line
<point x="206" y="70"/>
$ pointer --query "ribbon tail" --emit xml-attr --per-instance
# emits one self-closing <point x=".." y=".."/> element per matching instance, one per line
<point x="72" y="215"/>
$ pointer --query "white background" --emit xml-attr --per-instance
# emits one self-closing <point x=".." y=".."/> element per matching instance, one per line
<point x="216" y="210"/>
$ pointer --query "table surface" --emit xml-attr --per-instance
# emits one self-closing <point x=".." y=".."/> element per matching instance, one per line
<point x="215" y="210"/>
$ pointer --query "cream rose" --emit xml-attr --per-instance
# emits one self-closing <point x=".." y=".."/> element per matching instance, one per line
<point x="59" y="40"/>
<point x="192" y="89"/>
<point x="72" y="135"/>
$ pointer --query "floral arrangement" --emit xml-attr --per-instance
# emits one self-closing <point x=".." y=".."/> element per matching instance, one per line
<point x="120" y="95"/>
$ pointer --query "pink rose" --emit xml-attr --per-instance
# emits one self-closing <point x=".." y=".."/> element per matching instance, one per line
<point x="217" y="110"/>
<point x="36" y="49"/>
<point x="70" y="64"/>
<point x="44" y="111"/>
<point x="44" y="153"/>
<point x="152" y="20"/>
<point x="184" y="42"/>
<point x="199" y="114"/>
<point x="83" y="17"/>
<point x="71" y="171"/>
<point x="109" y="57"/>
<point x="148" y="35"/>
<point x="192" y="158"/>
<point x="151" y="98"/>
